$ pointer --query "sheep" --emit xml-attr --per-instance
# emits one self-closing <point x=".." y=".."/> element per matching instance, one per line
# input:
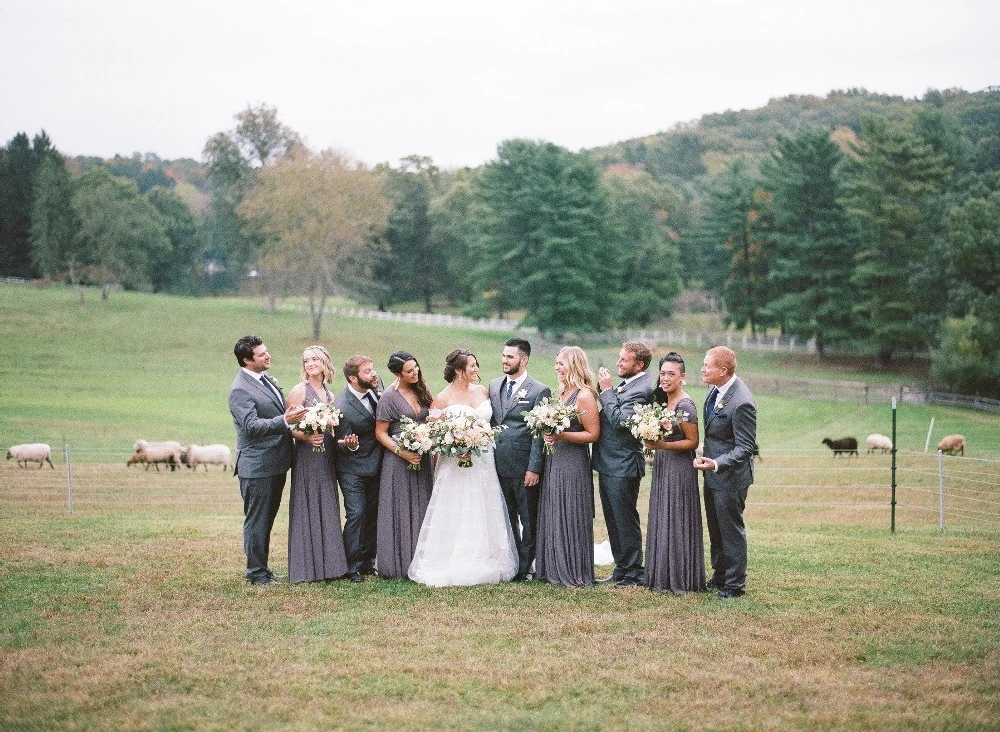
<point x="153" y="453"/>
<point x="846" y="445"/>
<point x="35" y="452"/>
<point x="952" y="444"/>
<point x="195" y="455"/>
<point x="878" y="442"/>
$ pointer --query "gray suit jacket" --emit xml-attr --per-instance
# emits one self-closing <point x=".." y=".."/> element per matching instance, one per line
<point x="517" y="450"/>
<point x="263" y="441"/>
<point x="617" y="452"/>
<point x="367" y="459"/>
<point x="730" y="434"/>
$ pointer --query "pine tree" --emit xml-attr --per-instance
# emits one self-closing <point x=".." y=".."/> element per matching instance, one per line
<point x="894" y="173"/>
<point x="813" y="252"/>
<point x="54" y="224"/>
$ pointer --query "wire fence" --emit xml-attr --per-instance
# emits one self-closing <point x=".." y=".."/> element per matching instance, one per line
<point x="951" y="493"/>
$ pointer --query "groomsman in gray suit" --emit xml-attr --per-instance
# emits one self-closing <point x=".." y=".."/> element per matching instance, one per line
<point x="263" y="450"/>
<point x="518" y="453"/>
<point x="359" y="461"/>
<point x="730" y="425"/>
<point x="618" y="460"/>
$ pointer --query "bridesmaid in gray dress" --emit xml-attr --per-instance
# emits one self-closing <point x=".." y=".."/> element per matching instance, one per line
<point x="403" y="493"/>
<point x="315" y="539"/>
<point x="565" y="544"/>
<point x="675" y="550"/>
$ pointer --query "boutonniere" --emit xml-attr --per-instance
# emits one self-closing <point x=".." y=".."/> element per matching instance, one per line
<point x="272" y="379"/>
<point x="619" y="389"/>
<point x="522" y="394"/>
<point x="720" y="406"/>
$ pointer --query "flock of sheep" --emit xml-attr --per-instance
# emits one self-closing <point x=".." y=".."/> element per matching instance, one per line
<point x="950" y="445"/>
<point x="145" y="453"/>
<point x="174" y="455"/>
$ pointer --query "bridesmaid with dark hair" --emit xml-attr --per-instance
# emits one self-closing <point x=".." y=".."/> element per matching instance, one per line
<point x="565" y="549"/>
<point x="403" y="493"/>
<point x="675" y="548"/>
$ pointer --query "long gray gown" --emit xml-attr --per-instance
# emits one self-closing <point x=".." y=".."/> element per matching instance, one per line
<point x="675" y="549"/>
<point x="565" y="548"/>
<point x="403" y="493"/>
<point x="315" y="537"/>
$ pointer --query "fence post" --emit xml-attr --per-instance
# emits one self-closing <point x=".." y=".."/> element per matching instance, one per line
<point x="927" y="442"/>
<point x="69" y="478"/>
<point x="940" y="491"/>
<point x="893" y="521"/>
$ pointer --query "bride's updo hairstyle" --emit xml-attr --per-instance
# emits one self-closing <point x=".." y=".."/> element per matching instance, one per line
<point x="397" y="361"/>
<point x="578" y="372"/>
<point x="457" y="360"/>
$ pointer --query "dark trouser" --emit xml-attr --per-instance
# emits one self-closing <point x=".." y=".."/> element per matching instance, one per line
<point x="360" y="520"/>
<point x="261" y="500"/>
<point x="724" y="516"/>
<point x="620" y="499"/>
<point x="522" y="507"/>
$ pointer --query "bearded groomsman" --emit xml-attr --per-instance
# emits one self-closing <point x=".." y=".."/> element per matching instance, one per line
<point x="359" y="460"/>
<point x="730" y="424"/>
<point x="518" y="453"/>
<point x="619" y="462"/>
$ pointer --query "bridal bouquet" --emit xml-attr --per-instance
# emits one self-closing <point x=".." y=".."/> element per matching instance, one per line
<point x="652" y="423"/>
<point x="462" y="435"/>
<point x="550" y="418"/>
<point x="319" y="418"/>
<point x="415" y="437"/>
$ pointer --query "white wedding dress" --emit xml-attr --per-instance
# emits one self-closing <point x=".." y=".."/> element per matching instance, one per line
<point x="465" y="538"/>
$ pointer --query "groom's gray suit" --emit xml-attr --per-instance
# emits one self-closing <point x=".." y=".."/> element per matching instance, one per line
<point x="518" y="451"/>
<point x="263" y="457"/>
<point x="618" y="460"/>
<point x="730" y="435"/>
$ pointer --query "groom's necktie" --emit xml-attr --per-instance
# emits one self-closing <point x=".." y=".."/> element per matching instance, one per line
<point x="274" y="390"/>
<point x="372" y="404"/>
<point x="510" y="390"/>
<point x="710" y="404"/>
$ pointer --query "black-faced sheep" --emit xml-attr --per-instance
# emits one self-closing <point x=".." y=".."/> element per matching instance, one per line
<point x="33" y="452"/>
<point x="878" y="442"/>
<point x="195" y="455"/>
<point x="845" y="445"/>
<point x="952" y="445"/>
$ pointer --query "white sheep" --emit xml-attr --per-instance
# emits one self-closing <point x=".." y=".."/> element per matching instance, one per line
<point x="34" y="452"/>
<point x="878" y="442"/>
<point x="952" y="444"/>
<point x="195" y="455"/>
<point x="153" y="453"/>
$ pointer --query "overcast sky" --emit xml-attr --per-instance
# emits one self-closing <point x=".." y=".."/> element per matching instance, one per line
<point x="451" y="80"/>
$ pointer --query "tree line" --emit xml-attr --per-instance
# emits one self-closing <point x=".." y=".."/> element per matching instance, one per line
<point x="879" y="237"/>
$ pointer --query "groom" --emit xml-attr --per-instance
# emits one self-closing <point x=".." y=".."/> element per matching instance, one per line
<point x="518" y="453"/>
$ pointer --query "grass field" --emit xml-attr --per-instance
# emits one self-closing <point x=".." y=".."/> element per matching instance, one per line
<point x="131" y="613"/>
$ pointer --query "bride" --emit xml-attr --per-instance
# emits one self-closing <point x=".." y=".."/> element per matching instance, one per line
<point x="466" y="537"/>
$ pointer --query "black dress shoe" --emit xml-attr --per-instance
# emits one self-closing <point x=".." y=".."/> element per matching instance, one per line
<point x="265" y="582"/>
<point x="355" y="577"/>
<point x="612" y="578"/>
<point x="628" y="582"/>
<point x="729" y="594"/>
<point x="370" y="572"/>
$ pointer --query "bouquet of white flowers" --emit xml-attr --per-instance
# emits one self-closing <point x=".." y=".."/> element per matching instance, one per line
<point x="414" y="437"/>
<point x="462" y="435"/>
<point x="319" y="418"/>
<point x="550" y="418"/>
<point x="652" y="423"/>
